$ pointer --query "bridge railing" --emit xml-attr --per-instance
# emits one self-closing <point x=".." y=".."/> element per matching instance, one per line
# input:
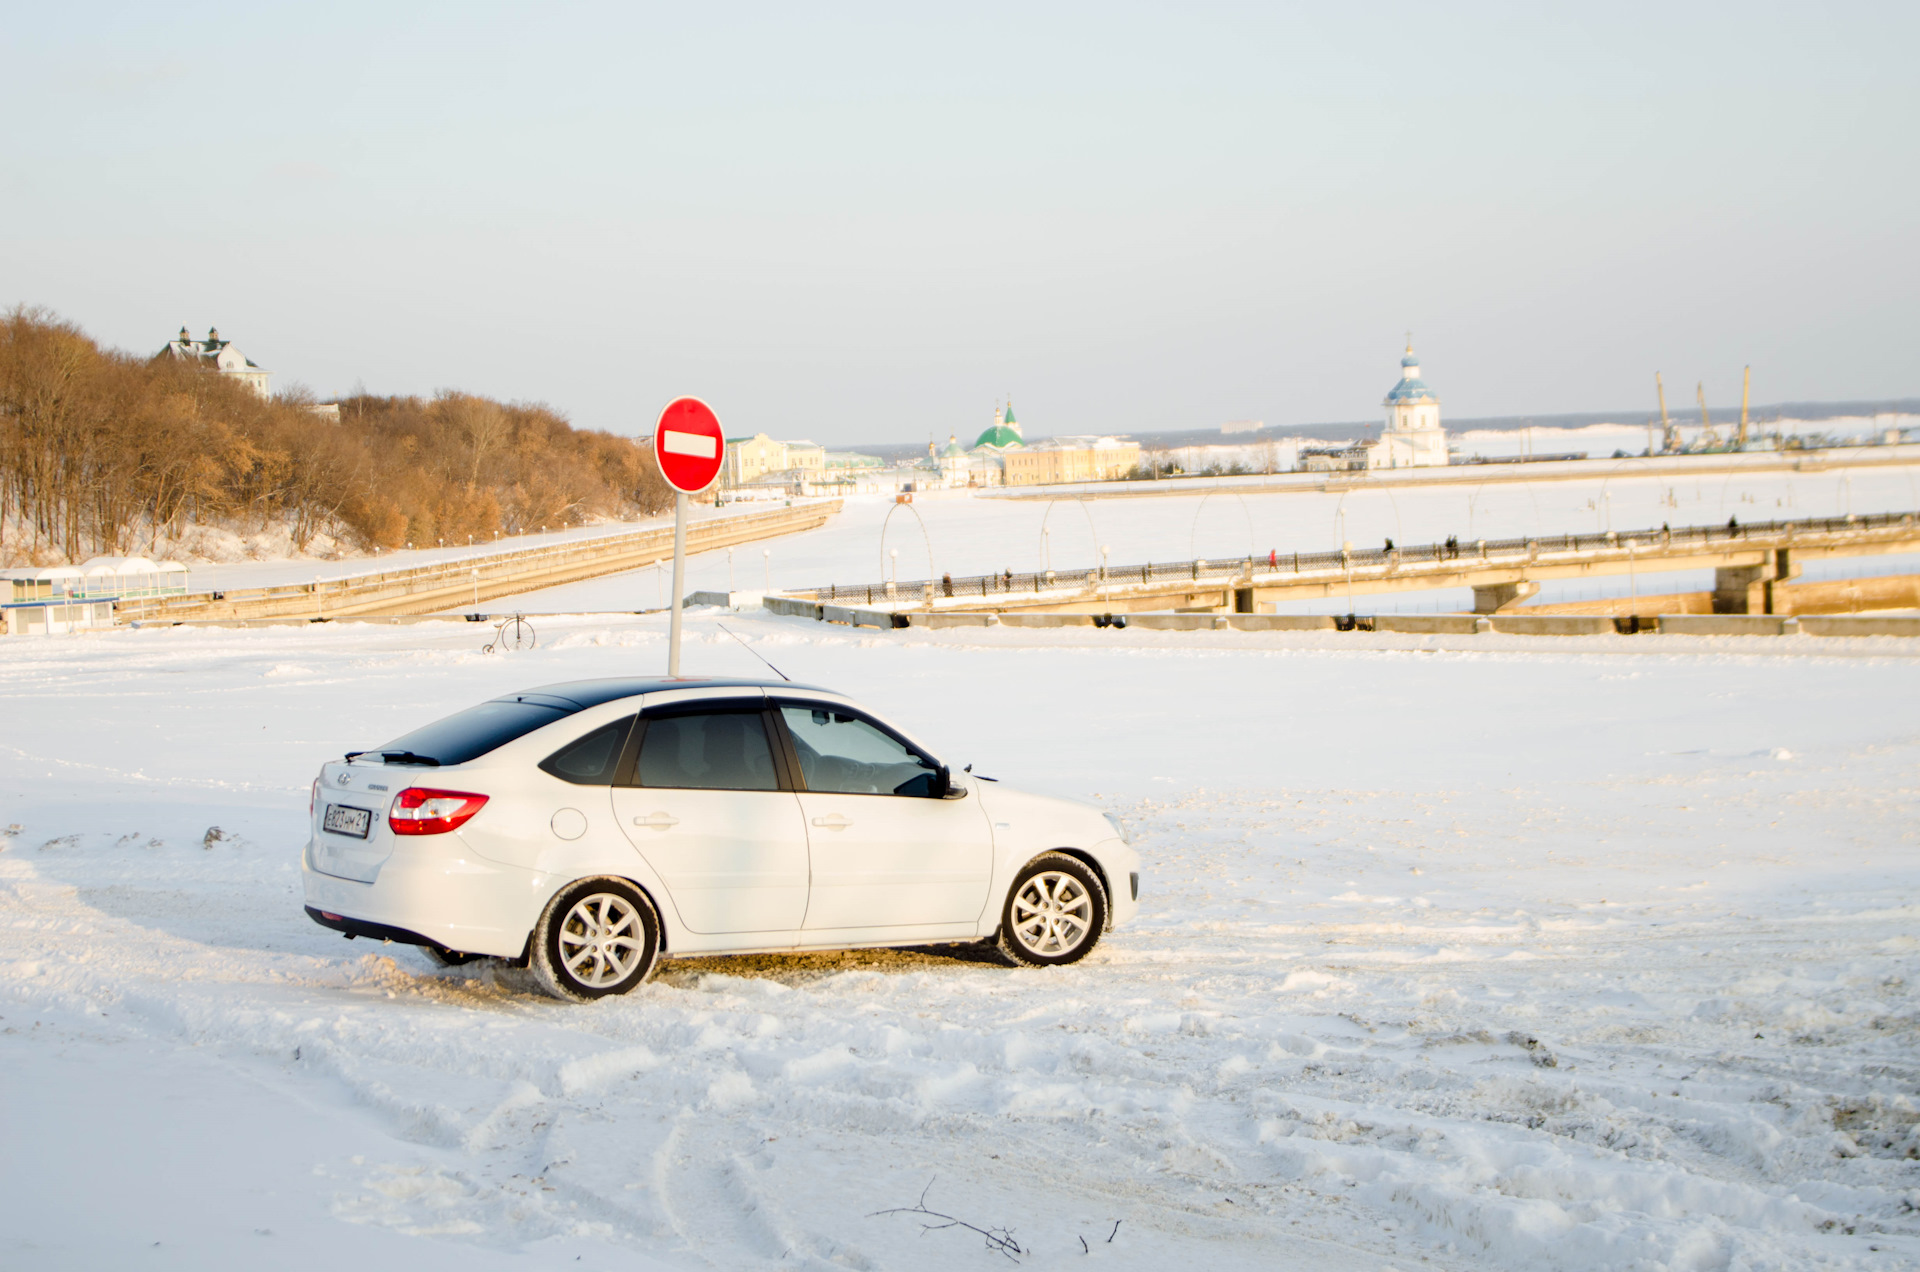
<point x="1215" y="572"/>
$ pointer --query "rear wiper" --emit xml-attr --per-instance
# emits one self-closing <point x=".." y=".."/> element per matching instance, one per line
<point x="397" y="757"/>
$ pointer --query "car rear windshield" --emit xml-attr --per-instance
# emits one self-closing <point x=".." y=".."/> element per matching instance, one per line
<point x="470" y="734"/>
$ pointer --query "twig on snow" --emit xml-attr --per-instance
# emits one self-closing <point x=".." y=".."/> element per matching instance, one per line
<point x="999" y="1240"/>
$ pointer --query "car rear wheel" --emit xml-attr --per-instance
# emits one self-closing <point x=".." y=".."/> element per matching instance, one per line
<point x="1054" y="913"/>
<point x="596" y="938"/>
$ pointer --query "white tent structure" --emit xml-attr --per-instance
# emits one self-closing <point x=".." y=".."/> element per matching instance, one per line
<point x="134" y="576"/>
<point x="64" y="598"/>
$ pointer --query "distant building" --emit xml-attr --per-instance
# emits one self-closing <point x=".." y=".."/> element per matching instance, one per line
<point x="954" y="464"/>
<point x="750" y="458"/>
<point x="1335" y="459"/>
<point x="987" y="457"/>
<point x="1002" y="456"/>
<point x="220" y="356"/>
<point x="1071" y="459"/>
<point x="1005" y="435"/>
<point x="1414" y="438"/>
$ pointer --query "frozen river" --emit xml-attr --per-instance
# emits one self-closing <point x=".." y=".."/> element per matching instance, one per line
<point x="960" y="533"/>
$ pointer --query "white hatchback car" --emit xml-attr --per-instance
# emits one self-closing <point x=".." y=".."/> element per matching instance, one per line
<point x="586" y="829"/>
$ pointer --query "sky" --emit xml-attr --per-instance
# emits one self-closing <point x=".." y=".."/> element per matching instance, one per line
<point x="874" y="223"/>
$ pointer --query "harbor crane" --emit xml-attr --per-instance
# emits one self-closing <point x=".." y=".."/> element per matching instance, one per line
<point x="1712" y="438"/>
<point x="1746" y="387"/>
<point x="1669" y="435"/>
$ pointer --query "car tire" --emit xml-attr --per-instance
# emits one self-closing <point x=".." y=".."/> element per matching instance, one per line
<point x="596" y="938"/>
<point x="441" y="956"/>
<point x="1054" y="912"/>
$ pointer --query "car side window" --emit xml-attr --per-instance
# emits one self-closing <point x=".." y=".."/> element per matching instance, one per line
<point x="842" y="753"/>
<point x="592" y="760"/>
<point x="707" y="751"/>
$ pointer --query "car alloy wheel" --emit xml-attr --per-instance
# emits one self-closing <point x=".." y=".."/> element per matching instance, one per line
<point x="1054" y="913"/>
<point x="596" y="938"/>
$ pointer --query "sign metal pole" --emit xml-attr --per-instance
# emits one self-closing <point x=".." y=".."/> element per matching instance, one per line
<point x="679" y="581"/>
<point x="690" y="448"/>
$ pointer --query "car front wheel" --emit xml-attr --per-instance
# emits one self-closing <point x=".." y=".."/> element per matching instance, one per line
<point x="1054" y="913"/>
<point x="596" y="938"/>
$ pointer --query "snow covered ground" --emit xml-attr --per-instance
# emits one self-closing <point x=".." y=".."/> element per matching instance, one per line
<point x="1468" y="953"/>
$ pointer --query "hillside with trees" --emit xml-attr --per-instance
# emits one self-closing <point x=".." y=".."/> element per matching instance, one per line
<point x="108" y="452"/>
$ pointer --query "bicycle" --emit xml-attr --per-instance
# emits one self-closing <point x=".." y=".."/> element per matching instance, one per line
<point x="512" y="632"/>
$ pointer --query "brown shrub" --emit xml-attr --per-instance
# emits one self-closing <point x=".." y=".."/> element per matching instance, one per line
<point x="105" y="451"/>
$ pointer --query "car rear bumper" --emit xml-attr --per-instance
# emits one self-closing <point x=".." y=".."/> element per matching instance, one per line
<point x="431" y="892"/>
<point x="372" y="931"/>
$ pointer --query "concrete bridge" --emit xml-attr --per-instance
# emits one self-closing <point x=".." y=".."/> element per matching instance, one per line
<point x="1751" y="565"/>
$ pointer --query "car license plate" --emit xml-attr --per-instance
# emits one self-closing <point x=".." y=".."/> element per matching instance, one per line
<point x="342" y="819"/>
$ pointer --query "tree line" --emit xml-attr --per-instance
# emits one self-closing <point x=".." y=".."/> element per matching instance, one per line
<point x="108" y="452"/>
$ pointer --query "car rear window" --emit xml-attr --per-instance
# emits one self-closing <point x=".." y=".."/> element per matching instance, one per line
<point x="470" y="734"/>
<point x="592" y="760"/>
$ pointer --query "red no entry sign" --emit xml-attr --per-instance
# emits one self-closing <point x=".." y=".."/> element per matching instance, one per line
<point x="688" y="443"/>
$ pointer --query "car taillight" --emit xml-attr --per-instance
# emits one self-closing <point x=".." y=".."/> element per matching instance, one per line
<point x="421" y="811"/>
<point x="313" y="797"/>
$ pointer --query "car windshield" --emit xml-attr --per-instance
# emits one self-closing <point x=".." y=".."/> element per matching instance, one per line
<point x="469" y="734"/>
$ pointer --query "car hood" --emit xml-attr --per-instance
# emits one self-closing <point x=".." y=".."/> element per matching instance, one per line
<point x="1041" y="820"/>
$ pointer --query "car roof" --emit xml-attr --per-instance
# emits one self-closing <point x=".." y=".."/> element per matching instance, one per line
<point x="591" y="693"/>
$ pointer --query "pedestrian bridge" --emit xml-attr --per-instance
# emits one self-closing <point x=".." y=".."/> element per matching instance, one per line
<point x="1749" y="562"/>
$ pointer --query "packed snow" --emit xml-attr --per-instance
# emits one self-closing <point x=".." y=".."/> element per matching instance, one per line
<point x="1454" y="953"/>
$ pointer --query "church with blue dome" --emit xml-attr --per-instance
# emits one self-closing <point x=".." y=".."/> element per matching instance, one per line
<point x="1413" y="438"/>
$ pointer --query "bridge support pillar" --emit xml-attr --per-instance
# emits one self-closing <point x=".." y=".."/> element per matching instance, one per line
<point x="1749" y="589"/>
<point x="1741" y="589"/>
<point x="1493" y="598"/>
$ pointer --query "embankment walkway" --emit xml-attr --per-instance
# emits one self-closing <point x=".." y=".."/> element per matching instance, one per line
<point x="443" y="585"/>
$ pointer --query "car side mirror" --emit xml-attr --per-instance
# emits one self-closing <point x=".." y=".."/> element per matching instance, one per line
<point x="943" y="785"/>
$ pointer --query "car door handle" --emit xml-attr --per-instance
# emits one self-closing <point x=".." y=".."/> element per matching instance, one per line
<point x="835" y="822"/>
<point x="656" y="821"/>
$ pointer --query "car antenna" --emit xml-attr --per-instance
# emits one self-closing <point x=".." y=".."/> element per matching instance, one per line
<point x="756" y="653"/>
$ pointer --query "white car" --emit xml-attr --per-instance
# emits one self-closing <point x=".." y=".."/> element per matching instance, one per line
<point x="586" y="829"/>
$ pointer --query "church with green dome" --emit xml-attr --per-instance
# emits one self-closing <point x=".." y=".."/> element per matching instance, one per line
<point x="1005" y="433"/>
<point x="983" y="463"/>
<point x="1002" y="456"/>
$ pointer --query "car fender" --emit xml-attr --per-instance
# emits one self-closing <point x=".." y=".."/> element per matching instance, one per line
<point x="1025" y="825"/>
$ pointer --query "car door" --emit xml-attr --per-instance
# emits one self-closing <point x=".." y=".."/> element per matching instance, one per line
<point x="706" y="808"/>
<point x="887" y="851"/>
